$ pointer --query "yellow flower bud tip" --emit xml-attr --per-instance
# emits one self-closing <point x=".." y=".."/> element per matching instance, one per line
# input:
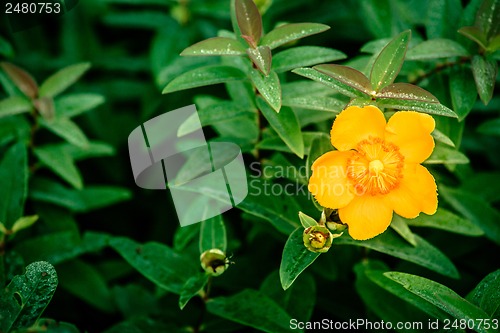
<point x="214" y="262"/>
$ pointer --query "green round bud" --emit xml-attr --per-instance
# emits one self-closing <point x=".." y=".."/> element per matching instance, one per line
<point x="214" y="262"/>
<point x="317" y="239"/>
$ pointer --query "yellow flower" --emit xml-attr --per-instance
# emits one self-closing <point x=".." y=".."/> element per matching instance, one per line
<point x="376" y="169"/>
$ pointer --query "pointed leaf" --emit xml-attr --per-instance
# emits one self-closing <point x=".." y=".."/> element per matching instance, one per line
<point x="485" y="73"/>
<point x="262" y="58"/>
<point x="414" y="105"/>
<point x="27" y="296"/>
<point x="486" y="294"/>
<point x="487" y="18"/>
<point x="14" y="105"/>
<point x="474" y="34"/>
<point x="269" y="87"/>
<point x="215" y="46"/>
<point x="157" y="262"/>
<point x="304" y="56"/>
<point x="249" y="21"/>
<point x="406" y="91"/>
<point x="213" y="234"/>
<point x="204" y="76"/>
<point x="445" y="220"/>
<point x="307" y="221"/>
<point x="296" y="258"/>
<point x="329" y="81"/>
<point x="24" y="222"/>
<point x="388" y="63"/>
<point x="61" y="80"/>
<point x="22" y="79"/>
<point x="60" y="163"/>
<point x="72" y="105"/>
<point x="401" y="227"/>
<point x="442" y="297"/>
<point x="193" y="287"/>
<point x="435" y="49"/>
<point x="463" y="91"/>
<point x="490" y="127"/>
<point x="445" y="155"/>
<point x="328" y="104"/>
<point x="66" y="129"/>
<point x="14" y="177"/>
<point x="475" y="209"/>
<point x="440" y="137"/>
<point x="423" y="254"/>
<point x="348" y="76"/>
<point x="290" y="32"/>
<point x="286" y="125"/>
<point x="251" y="308"/>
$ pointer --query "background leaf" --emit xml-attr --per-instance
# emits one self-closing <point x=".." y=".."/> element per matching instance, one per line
<point x="303" y="56"/>
<point x="290" y="32"/>
<point x="215" y="46"/>
<point x="60" y="81"/>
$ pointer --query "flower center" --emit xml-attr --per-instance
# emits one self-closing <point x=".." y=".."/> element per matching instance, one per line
<point x="375" y="167"/>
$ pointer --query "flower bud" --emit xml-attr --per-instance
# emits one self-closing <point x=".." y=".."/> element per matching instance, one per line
<point x="317" y="239"/>
<point x="214" y="262"/>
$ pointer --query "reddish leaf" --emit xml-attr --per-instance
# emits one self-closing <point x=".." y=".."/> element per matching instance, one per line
<point x="249" y="21"/>
<point x="347" y="75"/>
<point x="21" y="79"/>
<point x="407" y="91"/>
<point x="262" y="58"/>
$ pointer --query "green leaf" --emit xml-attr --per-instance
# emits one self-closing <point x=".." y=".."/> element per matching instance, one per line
<point x="441" y="296"/>
<point x="185" y="235"/>
<point x="377" y="17"/>
<point x="204" y="76"/>
<point x="94" y="149"/>
<point x="485" y="73"/>
<point x="328" y="81"/>
<point x="157" y="262"/>
<point x="319" y="103"/>
<point x="269" y="87"/>
<point x="14" y="188"/>
<point x="423" y="254"/>
<point x="462" y="91"/>
<point x="486" y="294"/>
<point x="213" y="114"/>
<point x="66" y="129"/>
<point x="303" y="56"/>
<point x="475" y="209"/>
<point x="45" y="107"/>
<point x="75" y="104"/>
<point x="290" y="32"/>
<point x="94" y="290"/>
<point x="22" y="79"/>
<point x="490" y="127"/>
<point x="215" y="46"/>
<point x="435" y="49"/>
<point x="487" y="18"/>
<point x="474" y="34"/>
<point x="388" y="63"/>
<point x="406" y="91"/>
<point x="62" y="79"/>
<point x="79" y="201"/>
<point x="298" y="300"/>
<point x="377" y="276"/>
<point x="446" y="155"/>
<point x="286" y="125"/>
<point x="14" y="105"/>
<point x="440" y="137"/>
<point x="441" y="18"/>
<point x="249" y="21"/>
<point x="296" y="258"/>
<point x="446" y="220"/>
<point x="193" y="287"/>
<point x="251" y="308"/>
<point x="484" y="184"/>
<point x="276" y="143"/>
<point x="415" y="105"/>
<point x="307" y="221"/>
<point x="401" y="227"/>
<point x="24" y="222"/>
<point x="27" y="296"/>
<point x="45" y="325"/>
<point x="262" y="58"/>
<point x="347" y="76"/>
<point x="57" y="160"/>
<point x="213" y="234"/>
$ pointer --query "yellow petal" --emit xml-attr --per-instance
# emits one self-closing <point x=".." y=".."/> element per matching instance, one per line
<point x="328" y="182"/>
<point x="355" y="124"/>
<point x="367" y="216"/>
<point x="411" y="132"/>
<point x="416" y="193"/>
